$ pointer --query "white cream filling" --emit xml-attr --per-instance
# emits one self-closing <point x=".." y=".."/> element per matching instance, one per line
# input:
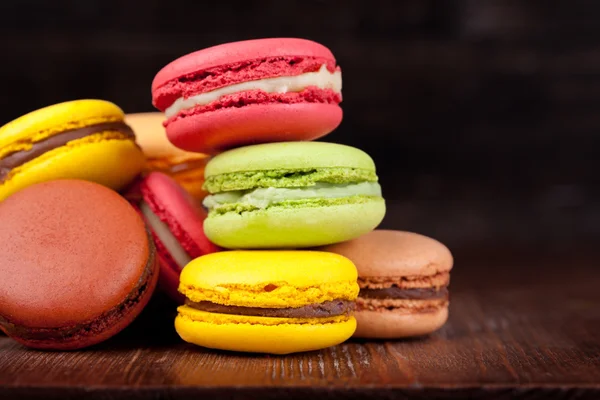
<point x="165" y="236"/>
<point x="264" y="197"/>
<point x="323" y="79"/>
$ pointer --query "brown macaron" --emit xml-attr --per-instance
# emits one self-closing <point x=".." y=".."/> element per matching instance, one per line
<point x="77" y="264"/>
<point x="403" y="279"/>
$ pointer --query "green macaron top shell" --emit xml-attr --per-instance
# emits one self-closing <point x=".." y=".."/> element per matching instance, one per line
<point x="288" y="156"/>
<point x="287" y="164"/>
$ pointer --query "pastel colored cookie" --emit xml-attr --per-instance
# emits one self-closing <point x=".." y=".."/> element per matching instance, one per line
<point x="78" y="265"/>
<point x="175" y="220"/>
<point x="403" y="279"/>
<point x="291" y="195"/>
<point x="83" y="139"/>
<point x="249" y="92"/>
<point x="185" y="167"/>
<point x="267" y="301"/>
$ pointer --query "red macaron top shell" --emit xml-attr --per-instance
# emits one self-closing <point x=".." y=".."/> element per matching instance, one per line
<point x="231" y="63"/>
<point x="231" y="53"/>
<point x="72" y="250"/>
<point x="178" y="210"/>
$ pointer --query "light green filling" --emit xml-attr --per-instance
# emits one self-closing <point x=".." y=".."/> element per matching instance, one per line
<point x="264" y="197"/>
<point x="283" y="178"/>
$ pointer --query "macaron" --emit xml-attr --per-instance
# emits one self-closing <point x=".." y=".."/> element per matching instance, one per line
<point x="403" y="279"/>
<point x="82" y="139"/>
<point x="185" y="167"/>
<point x="77" y="265"/>
<point x="275" y="302"/>
<point x="291" y="195"/>
<point x="175" y="220"/>
<point x="248" y="92"/>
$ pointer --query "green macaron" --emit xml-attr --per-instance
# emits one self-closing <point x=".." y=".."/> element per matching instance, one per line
<point x="291" y="195"/>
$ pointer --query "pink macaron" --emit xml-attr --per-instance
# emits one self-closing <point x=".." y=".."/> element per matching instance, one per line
<point x="175" y="220"/>
<point x="254" y="91"/>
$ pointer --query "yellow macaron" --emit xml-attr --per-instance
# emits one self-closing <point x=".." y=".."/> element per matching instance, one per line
<point x="275" y="302"/>
<point x="185" y="167"/>
<point x="82" y="139"/>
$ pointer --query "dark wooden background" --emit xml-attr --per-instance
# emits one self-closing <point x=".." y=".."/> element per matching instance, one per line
<point x="483" y="115"/>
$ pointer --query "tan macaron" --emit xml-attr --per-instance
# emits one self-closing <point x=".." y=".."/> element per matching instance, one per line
<point x="185" y="167"/>
<point x="403" y="279"/>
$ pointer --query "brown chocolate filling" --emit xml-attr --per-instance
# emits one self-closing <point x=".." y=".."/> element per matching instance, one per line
<point x="395" y="292"/>
<point x="100" y="324"/>
<point x="18" y="158"/>
<point x="321" y="310"/>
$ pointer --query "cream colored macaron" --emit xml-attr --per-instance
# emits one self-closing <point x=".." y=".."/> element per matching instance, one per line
<point x="185" y="167"/>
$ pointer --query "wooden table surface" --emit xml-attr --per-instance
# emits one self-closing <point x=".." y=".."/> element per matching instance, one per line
<point x="520" y="325"/>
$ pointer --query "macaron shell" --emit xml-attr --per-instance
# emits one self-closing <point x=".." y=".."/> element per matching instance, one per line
<point x="152" y="138"/>
<point x="65" y="240"/>
<point x="384" y="253"/>
<point x="391" y="325"/>
<point x="113" y="163"/>
<point x="175" y="207"/>
<point x="217" y="131"/>
<point x="278" y="227"/>
<point x="110" y="331"/>
<point x="230" y="53"/>
<point x="169" y="277"/>
<point x="57" y="118"/>
<point x="191" y="180"/>
<point x="292" y="278"/>
<point x="254" y="267"/>
<point x="185" y="167"/>
<point x="189" y="174"/>
<point x="184" y="218"/>
<point x="257" y="338"/>
<point x="289" y="155"/>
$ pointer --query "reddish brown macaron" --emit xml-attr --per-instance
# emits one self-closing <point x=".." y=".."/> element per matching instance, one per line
<point x="403" y="279"/>
<point x="77" y="265"/>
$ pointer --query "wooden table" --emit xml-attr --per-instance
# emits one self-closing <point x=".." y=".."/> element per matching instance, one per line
<point x="521" y="325"/>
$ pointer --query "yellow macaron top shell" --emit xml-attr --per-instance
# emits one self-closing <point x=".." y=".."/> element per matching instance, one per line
<point x="269" y="279"/>
<point x="21" y="133"/>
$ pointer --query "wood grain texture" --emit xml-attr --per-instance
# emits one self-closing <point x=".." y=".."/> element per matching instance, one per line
<point x="528" y="330"/>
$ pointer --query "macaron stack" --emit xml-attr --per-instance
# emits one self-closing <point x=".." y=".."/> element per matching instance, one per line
<point x="264" y="237"/>
<point x="255" y="106"/>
